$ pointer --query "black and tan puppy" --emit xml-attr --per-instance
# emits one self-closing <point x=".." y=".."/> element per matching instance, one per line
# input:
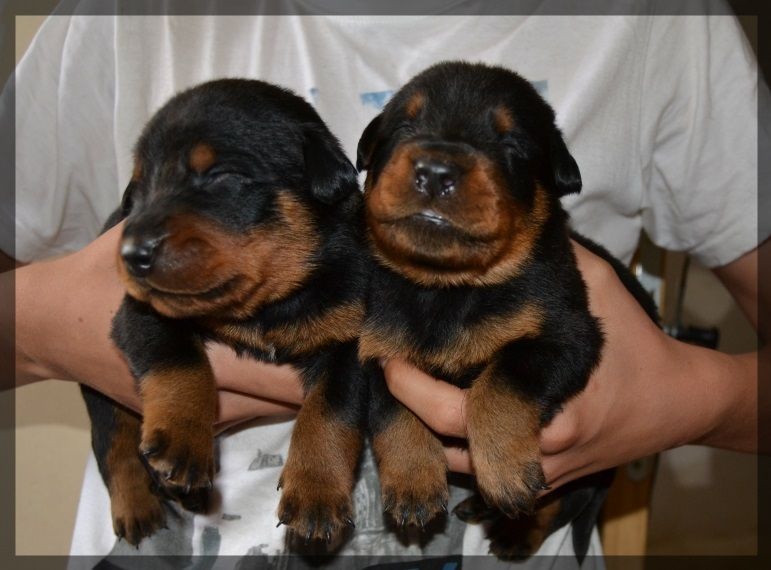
<point x="477" y="284"/>
<point x="242" y="226"/>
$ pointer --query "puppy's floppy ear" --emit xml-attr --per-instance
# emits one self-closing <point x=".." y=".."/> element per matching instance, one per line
<point x="122" y="211"/>
<point x="330" y="174"/>
<point x="127" y="202"/>
<point x="567" y="177"/>
<point x="367" y="144"/>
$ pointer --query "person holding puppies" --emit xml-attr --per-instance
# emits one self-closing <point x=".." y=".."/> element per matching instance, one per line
<point x="660" y="114"/>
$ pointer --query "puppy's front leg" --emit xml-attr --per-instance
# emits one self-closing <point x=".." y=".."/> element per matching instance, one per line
<point x="318" y="478"/>
<point x="178" y="391"/>
<point x="503" y="425"/>
<point x="137" y="512"/>
<point x="410" y="458"/>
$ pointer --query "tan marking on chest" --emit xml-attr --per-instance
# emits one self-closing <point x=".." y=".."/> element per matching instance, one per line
<point x="247" y="336"/>
<point x="338" y="324"/>
<point x="471" y="346"/>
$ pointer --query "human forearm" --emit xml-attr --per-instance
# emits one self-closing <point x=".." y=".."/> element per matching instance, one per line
<point x="64" y="310"/>
<point x="649" y="393"/>
<point x="731" y="387"/>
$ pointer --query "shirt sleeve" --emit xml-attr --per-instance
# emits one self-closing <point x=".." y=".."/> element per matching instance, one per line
<point x="66" y="181"/>
<point x="700" y="129"/>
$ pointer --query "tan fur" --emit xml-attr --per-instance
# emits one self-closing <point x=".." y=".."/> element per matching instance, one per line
<point x="415" y="105"/>
<point x="136" y="174"/>
<point x="180" y="407"/>
<point x="205" y="270"/>
<point x="202" y="157"/>
<point x="318" y="478"/>
<point x="503" y="120"/>
<point x="304" y="336"/>
<point x="470" y="346"/>
<point x="412" y="468"/>
<point x="498" y="233"/>
<point x="503" y="442"/>
<point x="136" y="511"/>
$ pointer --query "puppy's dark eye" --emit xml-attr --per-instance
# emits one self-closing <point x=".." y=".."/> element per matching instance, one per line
<point x="218" y="176"/>
<point x="403" y="126"/>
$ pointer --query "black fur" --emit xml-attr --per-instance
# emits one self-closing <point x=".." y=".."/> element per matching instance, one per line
<point x="457" y="109"/>
<point x="265" y="141"/>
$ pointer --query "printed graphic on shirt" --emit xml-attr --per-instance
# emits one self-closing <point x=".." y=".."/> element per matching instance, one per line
<point x="211" y="541"/>
<point x="266" y="460"/>
<point x="175" y="540"/>
<point x="376" y="99"/>
<point x="377" y="536"/>
<point x="542" y="87"/>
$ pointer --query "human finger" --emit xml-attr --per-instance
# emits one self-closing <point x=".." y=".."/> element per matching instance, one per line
<point x="437" y="403"/>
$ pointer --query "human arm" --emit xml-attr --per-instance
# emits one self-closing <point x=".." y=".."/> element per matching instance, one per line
<point x="649" y="393"/>
<point x="63" y="312"/>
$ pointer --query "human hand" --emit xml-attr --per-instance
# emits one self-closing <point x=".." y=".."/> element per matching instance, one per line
<point x="649" y="392"/>
<point x="64" y="310"/>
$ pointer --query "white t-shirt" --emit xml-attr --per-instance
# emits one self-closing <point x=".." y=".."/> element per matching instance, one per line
<point x="659" y="112"/>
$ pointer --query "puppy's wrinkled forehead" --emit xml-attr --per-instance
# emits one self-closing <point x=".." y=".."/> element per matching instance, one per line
<point x="206" y="129"/>
<point x="470" y="102"/>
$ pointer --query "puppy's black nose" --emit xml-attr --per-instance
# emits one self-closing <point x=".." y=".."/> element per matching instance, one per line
<point x="139" y="254"/>
<point x="435" y="178"/>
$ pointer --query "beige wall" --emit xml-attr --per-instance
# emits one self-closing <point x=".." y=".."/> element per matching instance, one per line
<point x="704" y="500"/>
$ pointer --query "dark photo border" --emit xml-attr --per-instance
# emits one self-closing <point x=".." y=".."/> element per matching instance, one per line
<point x="12" y="8"/>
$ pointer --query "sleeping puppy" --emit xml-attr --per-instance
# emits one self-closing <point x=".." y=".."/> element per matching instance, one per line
<point x="242" y="226"/>
<point x="476" y="284"/>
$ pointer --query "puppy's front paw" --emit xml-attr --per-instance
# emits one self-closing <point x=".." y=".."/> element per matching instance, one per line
<point x="181" y="455"/>
<point x="520" y="538"/>
<point x="513" y="488"/>
<point x="138" y="519"/>
<point x="137" y="512"/>
<point x="503" y="433"/>
<point x="314" y="505"/>
<point x="413" y="499"/>
<point x="413" y="470"/>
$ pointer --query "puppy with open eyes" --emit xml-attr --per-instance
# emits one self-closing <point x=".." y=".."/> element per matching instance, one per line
<point x="476" y="284"/>
<point x="243" y="226"/>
